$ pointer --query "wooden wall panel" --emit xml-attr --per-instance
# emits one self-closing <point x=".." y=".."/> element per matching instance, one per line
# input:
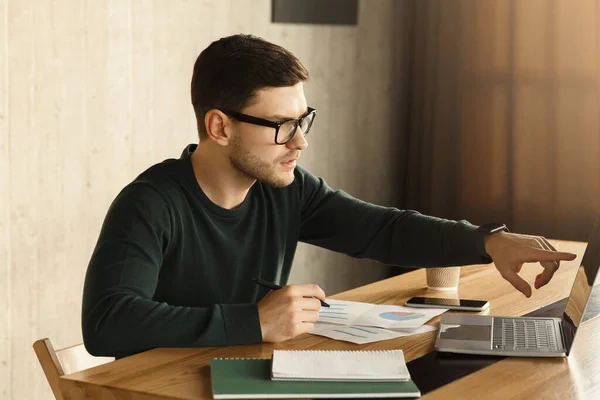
<point x="24" y="192"/>
<point x="5" y="247"/>
<point x="92" y="93"/>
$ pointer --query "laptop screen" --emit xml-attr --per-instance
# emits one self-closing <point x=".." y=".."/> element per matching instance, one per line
<point x="584" y="301"/>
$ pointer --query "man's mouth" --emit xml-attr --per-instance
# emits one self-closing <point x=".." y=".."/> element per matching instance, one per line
<point x="290" y="163"/>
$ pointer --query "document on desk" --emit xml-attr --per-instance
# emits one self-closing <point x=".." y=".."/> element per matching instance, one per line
<point x="376" y="315"/>
<point x="364" y="334"/>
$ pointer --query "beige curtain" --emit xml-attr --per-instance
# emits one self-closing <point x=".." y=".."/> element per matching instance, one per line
<point x="502" y="119"/>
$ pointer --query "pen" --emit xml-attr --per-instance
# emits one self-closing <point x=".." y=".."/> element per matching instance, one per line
<point x="273" y="286"/>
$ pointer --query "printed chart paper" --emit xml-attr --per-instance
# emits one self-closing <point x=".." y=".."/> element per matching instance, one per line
<point x="376" y="315"/>
<point x="364" y="334"/>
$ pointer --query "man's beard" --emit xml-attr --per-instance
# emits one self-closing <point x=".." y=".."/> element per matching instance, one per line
<point x="253" y="167"/>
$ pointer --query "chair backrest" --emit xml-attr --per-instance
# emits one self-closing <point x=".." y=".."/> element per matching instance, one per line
<point x="64" y="361"/>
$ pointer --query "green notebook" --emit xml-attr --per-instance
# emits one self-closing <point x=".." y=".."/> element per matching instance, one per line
<point x="251" y="378"/>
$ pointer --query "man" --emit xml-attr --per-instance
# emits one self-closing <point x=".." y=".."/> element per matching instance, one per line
<point x="181" y="245"/>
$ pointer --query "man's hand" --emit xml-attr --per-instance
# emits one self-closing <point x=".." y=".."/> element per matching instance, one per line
<point x="289" y="311"/>
<point x="509" y="251"/>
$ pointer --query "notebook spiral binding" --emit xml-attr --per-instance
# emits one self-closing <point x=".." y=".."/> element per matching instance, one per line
<point x="340" y="351"/>
<point x="308" y="351"/>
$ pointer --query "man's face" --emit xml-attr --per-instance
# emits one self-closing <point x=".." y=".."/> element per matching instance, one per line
<point x="253" y="149"/>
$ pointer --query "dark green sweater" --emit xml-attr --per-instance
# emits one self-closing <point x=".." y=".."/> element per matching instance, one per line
<point x="172" y="269"/>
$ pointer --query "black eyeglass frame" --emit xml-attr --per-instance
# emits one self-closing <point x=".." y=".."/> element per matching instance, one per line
<point x="265" y="122"/>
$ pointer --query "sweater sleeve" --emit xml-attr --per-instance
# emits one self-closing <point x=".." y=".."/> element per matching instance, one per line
<point x="119" y="317"/>
<point x="337" y="221"/>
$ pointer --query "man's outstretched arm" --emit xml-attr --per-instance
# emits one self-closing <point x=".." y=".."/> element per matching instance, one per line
<point x="337" y="221"/>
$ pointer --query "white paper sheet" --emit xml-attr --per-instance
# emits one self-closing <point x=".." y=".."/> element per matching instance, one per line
<point x="339" y="365"/>
<point x="363" y="334"/>
<point x="378" y="315"/>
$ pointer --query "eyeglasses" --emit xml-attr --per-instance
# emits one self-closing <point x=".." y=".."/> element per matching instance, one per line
<point x="284" y="130"/>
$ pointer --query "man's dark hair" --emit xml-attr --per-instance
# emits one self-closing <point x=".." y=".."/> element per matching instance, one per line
<point x="229" y="72"/>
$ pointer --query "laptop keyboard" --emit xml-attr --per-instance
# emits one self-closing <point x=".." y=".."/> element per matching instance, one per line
<point x="522" y="334"/>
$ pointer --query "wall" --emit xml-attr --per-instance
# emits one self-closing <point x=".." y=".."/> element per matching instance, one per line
<point x="504" y="114"/>
<point x="92" y="93"/>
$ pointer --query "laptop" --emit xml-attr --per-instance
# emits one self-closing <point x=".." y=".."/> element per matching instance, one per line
<point x="529" y="336"/>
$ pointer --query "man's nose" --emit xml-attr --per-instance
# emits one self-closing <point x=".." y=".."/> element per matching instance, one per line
<point x="298" y="141"/>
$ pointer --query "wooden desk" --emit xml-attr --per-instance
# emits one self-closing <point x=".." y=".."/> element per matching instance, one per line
<point x="184" y="373"/>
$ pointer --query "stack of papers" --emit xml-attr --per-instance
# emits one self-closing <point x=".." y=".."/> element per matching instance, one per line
<point x="339" y="365"/>
<point x="364" y="323"/>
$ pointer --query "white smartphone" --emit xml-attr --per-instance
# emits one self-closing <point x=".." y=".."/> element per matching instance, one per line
<point x="452" y="304"/>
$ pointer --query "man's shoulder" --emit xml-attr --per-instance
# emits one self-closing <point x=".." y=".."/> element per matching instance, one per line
<point x="157" y="183"/>
<point x="307" y="182"/>
<point x="161" y="173"/>
<point x="302" y="176"/>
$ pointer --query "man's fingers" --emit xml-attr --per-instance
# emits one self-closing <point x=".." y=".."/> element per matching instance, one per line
<point x="517" y="282"/>
<point x="549" y="269"/>
<point x="532" y="249"/>
<point x="307" y="316"/>
<point x="547" y="243"/>
<point x="305" y="327"/>
<point x="542" y="255"/>
<point x="321" y="294"/>
<point x="309" y="304"/>
<point x="307" y="290"/>
<point x="547" y="252"/>
<point x="544" y="244"/>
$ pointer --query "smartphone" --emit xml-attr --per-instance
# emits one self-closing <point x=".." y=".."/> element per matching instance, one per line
<point x="452" y="304"/>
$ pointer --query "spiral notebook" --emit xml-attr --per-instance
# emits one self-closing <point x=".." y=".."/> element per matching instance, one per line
<point x="339" y="365"/>
<point x="252" y="379"/>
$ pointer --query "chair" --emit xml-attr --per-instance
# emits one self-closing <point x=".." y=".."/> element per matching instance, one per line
<point x="64" y="361"/>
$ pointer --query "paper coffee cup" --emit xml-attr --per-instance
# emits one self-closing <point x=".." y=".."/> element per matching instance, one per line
<point x="443" y="278"/>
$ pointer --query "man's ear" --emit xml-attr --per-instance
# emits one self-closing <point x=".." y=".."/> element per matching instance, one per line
<point x="218" y="126"/>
